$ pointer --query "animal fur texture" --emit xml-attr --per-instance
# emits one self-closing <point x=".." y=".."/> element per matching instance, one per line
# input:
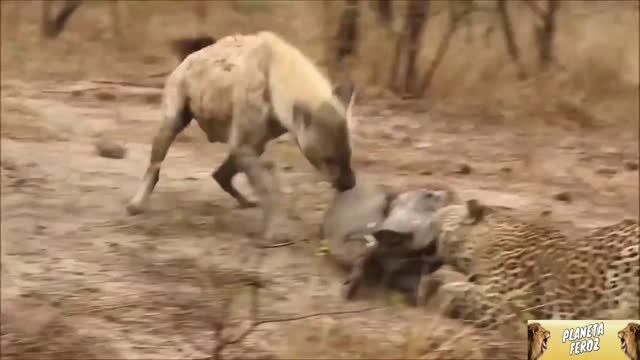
<point x="370" y="233"/>
<point x="245" y="90"/>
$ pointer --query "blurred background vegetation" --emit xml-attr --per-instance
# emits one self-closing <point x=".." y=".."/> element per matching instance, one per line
<point x="500" y="59"/>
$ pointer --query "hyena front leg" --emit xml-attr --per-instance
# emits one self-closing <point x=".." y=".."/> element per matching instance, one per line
<point x="175" y="120"/>
<point x="249" y="136"/>
<point x="223" y="176"/>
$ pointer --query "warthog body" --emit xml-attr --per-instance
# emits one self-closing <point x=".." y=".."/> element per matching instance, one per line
<point x="246" y="90"/>
<point x="370" y="232"/>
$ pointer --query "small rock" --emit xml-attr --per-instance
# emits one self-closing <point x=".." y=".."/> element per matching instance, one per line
<point x="109" y="149"/>
<point x="8" y="164"/>
<point x="545" y="213"/>
<point x="105" y="96"/>
<point x="426" y="172"/>
<point x="631" y="165"/>
<point x="506" y="170"/>
<point x="606" y="171"/>
<point x="464" y="169"/>
<point x="153" y="98"/>
<point x="423" y="145"/>
<point x="563" y="196"/>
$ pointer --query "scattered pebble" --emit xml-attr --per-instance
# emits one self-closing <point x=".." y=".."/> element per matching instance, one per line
<point x="563" y="196"/>
<point x="545" y="213"/>
<point x="506" y="170"/>
<point x="423" y="145"/>
<point x="153" y="98"/>
<point x="8" y="164"/>
<point x="105" y="96"/>
<point x="631" y="165"/>
<point x="110" y="149"/>
<point x="463" y="169"/>
<point x="606" y="171"/>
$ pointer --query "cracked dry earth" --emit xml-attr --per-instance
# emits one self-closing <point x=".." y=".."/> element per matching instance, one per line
<point x="80" y="278"/>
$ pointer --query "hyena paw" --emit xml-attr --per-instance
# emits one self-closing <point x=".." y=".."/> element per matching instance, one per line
<point x="134" y="209"/>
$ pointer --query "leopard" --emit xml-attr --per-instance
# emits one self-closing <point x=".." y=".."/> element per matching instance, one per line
<point x="516" y="269"/>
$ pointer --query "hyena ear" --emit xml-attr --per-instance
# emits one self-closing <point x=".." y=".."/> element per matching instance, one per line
<point x="476" y="211"/>
<point x="346" y="93"/>
<point x="301" y="117"/>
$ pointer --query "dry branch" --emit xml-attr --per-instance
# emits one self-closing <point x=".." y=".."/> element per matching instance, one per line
<point x="533" y="5"/>
<point x="455" y="17"/>
<point x="127" y="83"/>
<point x="51" y="28"/>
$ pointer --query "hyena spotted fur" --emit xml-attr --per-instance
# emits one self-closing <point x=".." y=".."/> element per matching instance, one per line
<point x="246" y="90"/>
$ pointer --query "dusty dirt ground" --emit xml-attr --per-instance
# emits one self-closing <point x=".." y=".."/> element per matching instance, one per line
<point x="82" y="279"/>
<point x="129" y="283"/>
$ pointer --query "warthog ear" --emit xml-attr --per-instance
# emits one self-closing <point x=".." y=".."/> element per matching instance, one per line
<point x="476" y="211"/>
<point x="301" y="116"/>
<point x="388" y="238"/>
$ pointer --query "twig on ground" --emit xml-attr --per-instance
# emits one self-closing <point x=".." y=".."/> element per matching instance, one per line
<point x="160" y="74"/>
<point x="302" y="317"/>
<point x="71" y="91"/>
<point x="127" y="83"/>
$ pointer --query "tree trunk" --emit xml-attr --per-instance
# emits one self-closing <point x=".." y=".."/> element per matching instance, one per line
<point x="51" y="28"/>
<point x="416" y="18"/>
<point x="454" y="21"/>
<point x="546" y="34"/>
<point x="509" y="38"/>
<point x="347" y="35"/>
<point x="116" y="23"/>
<point x="384" y="10"/>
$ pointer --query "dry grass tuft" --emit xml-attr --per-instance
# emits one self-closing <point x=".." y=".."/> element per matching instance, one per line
<point x="432" y="338"/>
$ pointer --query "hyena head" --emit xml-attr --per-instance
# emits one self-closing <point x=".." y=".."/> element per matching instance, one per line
<point x="323" y="137"/>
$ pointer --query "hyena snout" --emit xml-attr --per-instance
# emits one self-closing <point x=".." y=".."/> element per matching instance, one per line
<point x="346" y="180"/>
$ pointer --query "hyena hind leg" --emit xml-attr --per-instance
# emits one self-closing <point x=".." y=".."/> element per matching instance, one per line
<point x="171" y="126"/>
<point x="224" y="174"/>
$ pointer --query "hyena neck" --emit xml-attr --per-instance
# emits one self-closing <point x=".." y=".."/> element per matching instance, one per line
<point x="294" y="79"/>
